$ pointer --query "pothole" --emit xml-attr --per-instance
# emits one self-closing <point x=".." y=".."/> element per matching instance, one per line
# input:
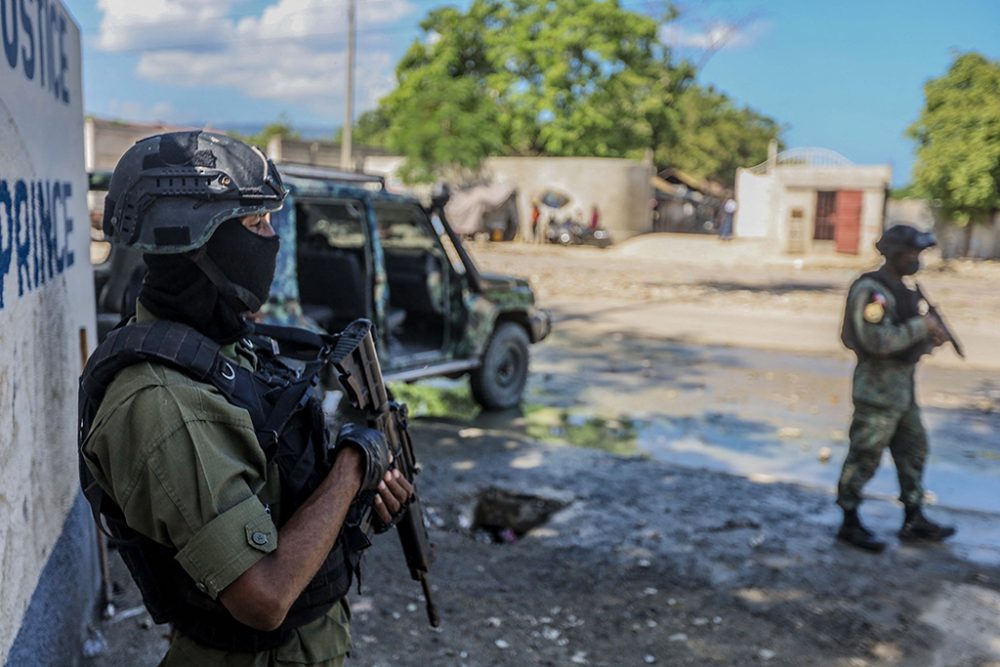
<point x="505" y="516"/>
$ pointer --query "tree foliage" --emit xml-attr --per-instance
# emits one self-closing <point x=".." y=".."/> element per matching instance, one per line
<point x="717" y="137"/>
<point x="958" y="137"/>
<point x="282" y="127"/>
<point x="559" y="78"/>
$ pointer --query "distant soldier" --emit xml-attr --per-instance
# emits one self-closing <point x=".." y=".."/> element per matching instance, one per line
<point x="884" y="326"/>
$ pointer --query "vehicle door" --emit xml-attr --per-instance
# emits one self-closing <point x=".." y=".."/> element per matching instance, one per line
<point x="422" y="284"/>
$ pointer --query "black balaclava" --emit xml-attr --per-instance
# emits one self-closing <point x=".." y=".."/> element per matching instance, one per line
<point x="907" y="268"/>
<point x="177" y="289"/>
<point x="245" y="258"/>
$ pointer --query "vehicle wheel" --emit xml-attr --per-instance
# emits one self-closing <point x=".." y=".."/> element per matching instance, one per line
<point x="499" y="383"/>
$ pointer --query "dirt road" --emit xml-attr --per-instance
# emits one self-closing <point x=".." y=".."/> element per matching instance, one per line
<point x="676" y="428"/>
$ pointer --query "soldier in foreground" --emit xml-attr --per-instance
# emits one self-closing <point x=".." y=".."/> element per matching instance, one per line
<point x="884" y="326"/>
<point x="203" y="453"/>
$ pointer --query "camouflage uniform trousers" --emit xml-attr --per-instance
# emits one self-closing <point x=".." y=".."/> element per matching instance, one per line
<point x="874" y="428"/>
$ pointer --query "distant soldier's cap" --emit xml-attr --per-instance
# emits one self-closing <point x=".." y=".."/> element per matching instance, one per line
<point x="902" y="237"/>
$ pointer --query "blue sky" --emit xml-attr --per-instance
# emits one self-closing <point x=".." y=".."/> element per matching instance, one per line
<point x="842" y="75"/>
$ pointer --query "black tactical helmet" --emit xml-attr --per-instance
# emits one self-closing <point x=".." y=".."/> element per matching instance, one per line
<point x="170" y="192"/>
<point x="901" y="237"/>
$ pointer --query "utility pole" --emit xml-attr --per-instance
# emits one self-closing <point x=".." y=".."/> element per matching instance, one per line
<point x="345" y="134"/>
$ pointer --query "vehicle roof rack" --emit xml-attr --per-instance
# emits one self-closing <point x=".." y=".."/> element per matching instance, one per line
<point x="329" y="173"/>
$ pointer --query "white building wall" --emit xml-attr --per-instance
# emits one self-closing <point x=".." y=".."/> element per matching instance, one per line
<point x="46" y="304"/>
<point x="754" y="214"/>
<point x="781" y="203"/>
<point x="872" y="219"/>
<point x="619" y="188"/>
<point x="797" y="219"/>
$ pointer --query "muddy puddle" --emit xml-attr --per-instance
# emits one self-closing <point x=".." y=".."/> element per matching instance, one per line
<point x="765" y="416"/>
<point x="451" y="401"/>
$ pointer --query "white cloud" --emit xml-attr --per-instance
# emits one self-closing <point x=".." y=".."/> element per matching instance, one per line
<point x="293" y="51"/>
<point x="718" y="34"/>
<point x="131" y="25"/>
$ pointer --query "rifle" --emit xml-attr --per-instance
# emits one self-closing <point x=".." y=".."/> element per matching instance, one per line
<point x="356" y="363"/>
<point x="935" y="313"/>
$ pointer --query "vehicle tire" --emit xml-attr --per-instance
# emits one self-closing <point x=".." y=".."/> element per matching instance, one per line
<point x="499" y="382"/>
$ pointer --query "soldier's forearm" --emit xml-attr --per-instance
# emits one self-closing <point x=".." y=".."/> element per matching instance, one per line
<point x="885" y="339"/>
<point x="262" y="596"/>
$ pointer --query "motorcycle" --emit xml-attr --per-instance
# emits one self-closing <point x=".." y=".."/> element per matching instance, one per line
<point x="568" y="233"/>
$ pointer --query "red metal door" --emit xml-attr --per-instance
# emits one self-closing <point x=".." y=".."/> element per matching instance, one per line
<point x="847" y="221"/>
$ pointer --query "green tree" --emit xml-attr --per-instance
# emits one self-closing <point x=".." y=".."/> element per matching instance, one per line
<point x="717" y="137"/>
<point x="370" y="128"/>
<point x="282" y="127"/>
<point x="524" y="77"/>
<point x="958" y="138"/>
<point x="561" y="78"/>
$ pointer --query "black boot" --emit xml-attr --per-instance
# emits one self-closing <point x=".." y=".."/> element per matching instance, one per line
<point x="918" y="527"/>
<point x="855" y="534"/>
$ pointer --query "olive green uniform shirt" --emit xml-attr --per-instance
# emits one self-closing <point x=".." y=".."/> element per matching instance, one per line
<point x="185" y="467"/>
<point x="878" y="380"/>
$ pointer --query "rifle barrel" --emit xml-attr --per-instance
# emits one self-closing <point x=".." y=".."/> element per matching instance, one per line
<point x="432" y="612"/>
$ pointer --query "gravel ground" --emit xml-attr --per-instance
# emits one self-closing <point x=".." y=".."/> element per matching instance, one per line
<point x="652" y="562"/>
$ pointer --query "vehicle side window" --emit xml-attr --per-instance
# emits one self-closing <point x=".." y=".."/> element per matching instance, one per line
<point x="402" y="226"/>
<point x="338" y="224"/>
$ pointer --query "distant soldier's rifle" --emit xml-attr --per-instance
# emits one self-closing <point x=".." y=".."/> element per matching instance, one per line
<point x="356" y="363"/>
<point x="936" y="314"/>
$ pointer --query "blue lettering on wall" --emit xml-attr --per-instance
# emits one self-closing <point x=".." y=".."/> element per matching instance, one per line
<point x="8" y="17"/>
<point x="22" y="237"/>
<point x="28" y="52"/>
<point x="6" y="238"/>
<point x="37" y="45"/>
<point x="36" y="231"/>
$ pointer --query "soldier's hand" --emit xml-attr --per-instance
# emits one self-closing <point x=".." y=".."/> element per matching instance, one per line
<point x="371" y="444"/>
<point x="394" y="492"/>
<point x="936" y="330"/>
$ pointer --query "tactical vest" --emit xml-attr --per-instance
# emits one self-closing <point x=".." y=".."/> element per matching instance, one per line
<point x="280" y="397"/>
<point x="907" y="306"/>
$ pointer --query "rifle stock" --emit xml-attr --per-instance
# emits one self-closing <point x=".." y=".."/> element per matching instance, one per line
<point x="358" y="370"/>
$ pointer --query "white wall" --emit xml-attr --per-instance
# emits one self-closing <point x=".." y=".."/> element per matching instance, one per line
<point x="620" y="188"/>
<point x="916" y="212"/>
<point x="754" y="214"/>
<point x="872" y="220"/>
<point x="47" y="291"/>
<point x="797" y="219"/>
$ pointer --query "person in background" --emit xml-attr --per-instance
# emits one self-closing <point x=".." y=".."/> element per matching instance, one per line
<point x="728" y="210"/>
<point x="536" y="215"/>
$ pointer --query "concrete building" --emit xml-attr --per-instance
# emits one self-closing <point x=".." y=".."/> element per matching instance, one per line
<point x="980" y="240"/>
<point x="48" y="556"/>
<point x="812" y="200"/>
<point x="619" y="188"/>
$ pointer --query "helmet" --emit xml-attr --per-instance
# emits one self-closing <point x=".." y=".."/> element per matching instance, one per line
<point x="170" y="192"/>
<point x="901" y="237"/>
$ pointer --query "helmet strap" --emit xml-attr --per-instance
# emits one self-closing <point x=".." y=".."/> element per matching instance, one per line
<point x="238" y="297"/>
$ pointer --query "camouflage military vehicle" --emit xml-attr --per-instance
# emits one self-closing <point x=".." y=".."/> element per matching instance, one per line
<point x="350" y="249"/>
